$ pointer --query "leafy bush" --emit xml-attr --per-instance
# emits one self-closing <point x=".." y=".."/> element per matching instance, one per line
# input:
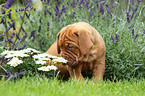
<point x="120" y="22"/>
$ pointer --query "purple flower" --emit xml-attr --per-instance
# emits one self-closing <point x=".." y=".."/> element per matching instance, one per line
<point x="39" y="28"/>
<point x="32" y="34"/>
<point x="9" y="15"/>
<point x="17" y="37"/>
<point x="8" y="74"/>
<point x="103" y="17"/>
<point x="3" y="11"/>
<point x="101" y="9"/>
<point x="40" y="21"/>
<point x="128" y="17"/>
<point x="12" y="35"/>
<point x="24" y="36"/>
<point x="129" y="27"/>
<point x="27" y="15"/>
<point x="19" y="74"/>
<point x="23" y="29"/>
<point x="67" y="3"/>
<point x="22" y="18"/>
<point x="1" y="38"/>
<point x="9" y="39"/>
<point x="135" y="36"/>
<point x="116" y="36"/>
<point x="2" y="19"/>
<point x="144" y="31"/>
<point x="108" y="10"/>
<point x="28" y="5"/>
<point x="81" y="1"/>
<point x="134" y="11"/>
<point x="132" y="32"/>
<point x="87" y="5"/>
<point x="63" y="9"/>
<point x="74" y="4"/>
<point x="113" y="39"/>
<point x="57" y="10"/>
<point x="20" y="48"/>
<point x="8" y="4"/>
<point x="49" y="12"/>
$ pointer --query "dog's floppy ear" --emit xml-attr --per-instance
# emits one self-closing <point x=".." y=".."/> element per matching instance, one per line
<point x="85" y="41"/>
<point x="58" y="48"/>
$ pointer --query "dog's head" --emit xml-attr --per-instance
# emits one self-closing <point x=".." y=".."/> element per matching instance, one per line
<point x="74" y="42"/>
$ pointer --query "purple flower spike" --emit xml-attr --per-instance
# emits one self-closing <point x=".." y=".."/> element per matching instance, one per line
<point x="132" y="32"/>
<point x="39" y="28"/>
<point x="8" y="73"/>
<point x="81" y="1"/>
<point x="8" y="4"/>
<point x="19" y="74"/>
<point x="16" y="10"/>
<point x="1" y="38"/>
<point x="9" y="39"/>
<point x="9" y="15"/>
<point x="67" y="3"/>
<point x="108" y="10"/>
<point x="20" y="48"/>
<point x="24" y="36"/>
<point x="2" y="19"/>
<point x="128" y="17"/>
<point x="23" y="29"/>
<point x="12" y="35"/>
<point x="134" y="11"/>
<point x="22" y="18"/>
<point x="103" y="17"/>
<point x="113" y="39"/>
<point x="27" y="15"/>
<point x="87" y="5"/>
<point x="101" y="9"/>
<point x="116" y="36"/>
<point x="144" y="31"/>
<point x="135" y="36"/>
<point x="3" y="11"/>
<point x="32" y="34"/>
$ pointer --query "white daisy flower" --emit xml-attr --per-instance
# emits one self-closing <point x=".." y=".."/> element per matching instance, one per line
<point x="16" y="54"/>
<point x="52" y="67"/>
<point x="44" y="68"/>
<point x="59" y="59"/>
<point x="5" y="52"/>
<point x="47" y="68"/>
<point x="30" y="50"/>
<point x="40" y="62"/>
<point x="14" y="62"/>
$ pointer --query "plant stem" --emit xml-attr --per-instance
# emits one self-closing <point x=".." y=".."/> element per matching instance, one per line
<point x="20" y="26"/>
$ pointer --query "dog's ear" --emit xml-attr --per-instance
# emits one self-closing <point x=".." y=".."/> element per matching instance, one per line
<point x="58" y="48"/>
<point x="85" y="41"/>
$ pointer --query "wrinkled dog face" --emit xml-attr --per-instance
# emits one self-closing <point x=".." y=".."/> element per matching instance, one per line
<point x="69" y="49"/>
<point x="73" y="43"/>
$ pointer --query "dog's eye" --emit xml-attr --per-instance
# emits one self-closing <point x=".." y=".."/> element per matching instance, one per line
<point x="70" y="47"/>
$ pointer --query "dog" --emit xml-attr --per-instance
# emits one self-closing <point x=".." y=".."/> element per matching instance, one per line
<point x="84" y="49"/>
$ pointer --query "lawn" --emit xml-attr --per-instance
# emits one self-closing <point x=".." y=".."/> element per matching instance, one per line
<point x="36" y="24"/>
<point x="49" y="87"/>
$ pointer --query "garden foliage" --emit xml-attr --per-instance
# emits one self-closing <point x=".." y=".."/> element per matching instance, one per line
<point x="32" y="24"/>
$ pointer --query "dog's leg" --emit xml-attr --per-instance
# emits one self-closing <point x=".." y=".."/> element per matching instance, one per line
<point x="98" y="70"/>
<point x="75" y="72"/>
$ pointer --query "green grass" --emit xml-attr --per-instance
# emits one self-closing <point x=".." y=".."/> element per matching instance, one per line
<point x="50" y="87"/>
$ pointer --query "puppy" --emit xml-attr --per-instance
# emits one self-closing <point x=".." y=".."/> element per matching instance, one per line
<point x="83" y="47"/>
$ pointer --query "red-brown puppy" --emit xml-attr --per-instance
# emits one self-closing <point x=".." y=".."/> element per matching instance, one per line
<point x="83" y="47"/>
